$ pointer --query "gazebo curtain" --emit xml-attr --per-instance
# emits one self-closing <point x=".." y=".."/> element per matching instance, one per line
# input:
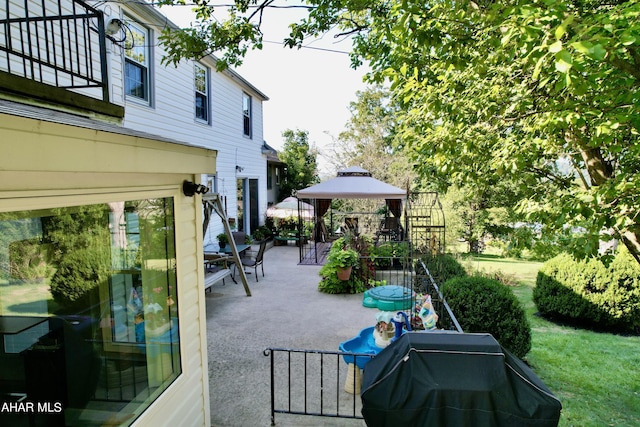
<point x="320" y="229"/>
<point x="395" y="207"/>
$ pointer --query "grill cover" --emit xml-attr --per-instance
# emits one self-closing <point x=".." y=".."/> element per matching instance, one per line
<point x="443" y="378"/>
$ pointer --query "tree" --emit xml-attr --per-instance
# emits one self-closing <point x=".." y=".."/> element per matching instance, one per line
<point x="541" y="94"/>
<point x="368" y="139"/>
<point x="545" y="95"/>
<point x="300" y="158"/>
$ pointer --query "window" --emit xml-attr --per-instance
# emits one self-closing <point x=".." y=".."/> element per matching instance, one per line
<point x="136" y="67"/>
<point x="92" y="288"/>
<point x="201" y="84"/>
<point x="246" y="112"/>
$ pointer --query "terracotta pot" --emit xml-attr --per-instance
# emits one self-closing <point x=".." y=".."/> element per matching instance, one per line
<point x="344" y="273"/>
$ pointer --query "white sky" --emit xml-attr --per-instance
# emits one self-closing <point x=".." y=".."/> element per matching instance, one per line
<point x="308" y="89"/>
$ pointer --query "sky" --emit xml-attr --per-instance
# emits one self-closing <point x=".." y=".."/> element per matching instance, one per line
<point x="308" y="89"/>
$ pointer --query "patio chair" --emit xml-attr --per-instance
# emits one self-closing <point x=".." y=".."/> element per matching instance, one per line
<point x="240" y="237"/>
<point x="255" y="261"/>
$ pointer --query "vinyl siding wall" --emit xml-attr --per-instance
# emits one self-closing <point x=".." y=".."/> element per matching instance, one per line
<point x="171" y="113"/>
<point x="58" y="165"/>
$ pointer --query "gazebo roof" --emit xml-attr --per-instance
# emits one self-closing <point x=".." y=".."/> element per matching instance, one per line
<point x="353" y="183"/>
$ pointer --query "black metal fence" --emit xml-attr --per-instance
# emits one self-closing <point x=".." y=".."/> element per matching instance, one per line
<point x="58" y="43"/>
<point x="424" y="283"/>
<point x="327" y="383"/>
<point x="315" y="382"/>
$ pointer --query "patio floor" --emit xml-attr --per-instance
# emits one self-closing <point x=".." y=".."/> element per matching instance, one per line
<point x="285" y="311"/>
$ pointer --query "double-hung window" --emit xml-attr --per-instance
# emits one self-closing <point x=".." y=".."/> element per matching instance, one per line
<point x="201" y="84"/>
<point x="246" y="114"/>
<point x="136" y="67"/>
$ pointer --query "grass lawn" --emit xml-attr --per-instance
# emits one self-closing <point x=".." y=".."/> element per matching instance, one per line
<point x="595" y="375"/>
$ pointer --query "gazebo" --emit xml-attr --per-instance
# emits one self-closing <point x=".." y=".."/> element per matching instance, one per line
<point x="351" y="183"/>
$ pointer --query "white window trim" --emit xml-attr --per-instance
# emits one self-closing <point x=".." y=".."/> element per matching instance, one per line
<point x="250" y="115"/>
<point x="207" y="94"/>
<point x="148" y="100"/>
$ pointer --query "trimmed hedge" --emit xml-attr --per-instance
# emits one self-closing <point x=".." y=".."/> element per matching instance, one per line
<point x="485" y="305"/>
<point x="443" y="267"/>
<point x="589" y="293"/>
<point x="79" y="274"/>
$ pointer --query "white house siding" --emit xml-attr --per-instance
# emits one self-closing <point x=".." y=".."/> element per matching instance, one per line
<point x="59" y="165"/>
<point x="171" y="113"/>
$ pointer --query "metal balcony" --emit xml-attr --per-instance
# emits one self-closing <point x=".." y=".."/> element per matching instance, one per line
<point x="56" y="43"/>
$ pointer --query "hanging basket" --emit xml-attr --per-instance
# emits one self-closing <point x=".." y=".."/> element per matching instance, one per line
<point x="344" y="273"/>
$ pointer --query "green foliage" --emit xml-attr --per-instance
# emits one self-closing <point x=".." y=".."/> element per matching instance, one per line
<point x="443" y="267"/>
<point x="29" y="260"/>
<point x="222" y="238"/>
<point x="285" y="224"/>
<point x="330" y="283"/>
<point x="590" y="293"/>
<point x="543" y="96"/>
<point x="301" y="161"/>
<point x="343" y="258"/>
<point x="261" y="233"/>
<point x="485" y="305"/>
<point x="79" y="273"/>
<point x="368" y="140"/>
<point x="385" y="254"/>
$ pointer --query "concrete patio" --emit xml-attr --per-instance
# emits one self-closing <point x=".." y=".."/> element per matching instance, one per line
<point x="285" y="311"/>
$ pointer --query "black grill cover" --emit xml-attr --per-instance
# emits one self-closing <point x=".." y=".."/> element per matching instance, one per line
<point x="443" y="378"/>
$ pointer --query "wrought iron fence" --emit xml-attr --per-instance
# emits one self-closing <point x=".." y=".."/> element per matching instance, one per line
<point x="59" y="43"/>
<point x="424" y="283"/>
<point x="314" y="382"/>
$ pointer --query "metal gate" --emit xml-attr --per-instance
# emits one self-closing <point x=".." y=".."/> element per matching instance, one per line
<point x="314" y="382"/>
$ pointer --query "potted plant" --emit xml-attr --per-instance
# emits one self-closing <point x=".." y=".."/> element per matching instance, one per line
<point x="223" y="239"/>
<point x="344" y="260"/>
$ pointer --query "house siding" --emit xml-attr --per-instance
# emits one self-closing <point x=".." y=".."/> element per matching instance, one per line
<point x="50" y="168"/>
<point x="171" y="114"/>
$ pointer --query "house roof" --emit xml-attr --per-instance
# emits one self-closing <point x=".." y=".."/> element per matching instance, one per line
<point x="270" y="153"/>
<point x="352" y="183"/>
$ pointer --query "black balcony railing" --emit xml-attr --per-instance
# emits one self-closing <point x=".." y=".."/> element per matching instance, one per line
<point x="60" y="43"/>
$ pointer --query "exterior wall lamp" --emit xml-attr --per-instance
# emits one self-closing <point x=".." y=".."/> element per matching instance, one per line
<point x="190" y="188"/>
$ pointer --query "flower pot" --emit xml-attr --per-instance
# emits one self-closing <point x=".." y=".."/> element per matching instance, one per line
<point x="222" y="245"/>
<point x="344" y="273"/>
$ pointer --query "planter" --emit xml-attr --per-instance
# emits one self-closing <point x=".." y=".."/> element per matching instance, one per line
<point x="344" y="273"/>
<point x="222" y="245"/>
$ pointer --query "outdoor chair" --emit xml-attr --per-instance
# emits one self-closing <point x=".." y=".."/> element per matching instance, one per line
<point x="240" y="237"/>
<point x="390" y="230"/>
<point x="255" y="261"/>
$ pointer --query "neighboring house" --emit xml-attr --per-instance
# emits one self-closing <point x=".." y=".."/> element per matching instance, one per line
<point x="102" y="310"/>
<point x="275" y="172"/>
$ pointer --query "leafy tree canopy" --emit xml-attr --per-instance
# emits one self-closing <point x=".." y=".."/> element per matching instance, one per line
<point x="542" y="93"/>
<point x="300" y="158"/>
<point x="368" y="140"/>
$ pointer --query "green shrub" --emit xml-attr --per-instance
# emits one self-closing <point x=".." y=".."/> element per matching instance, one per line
<point x="79" y="272"/>
<point x="589" y="293"/>
<point x="330" y="283"/>
<point x="340" y="255"/>
<point x="484" y="305"/>
<point x="443" y="267"/>
<point x="387" y="254"/>
<point x="29" y="260"/>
